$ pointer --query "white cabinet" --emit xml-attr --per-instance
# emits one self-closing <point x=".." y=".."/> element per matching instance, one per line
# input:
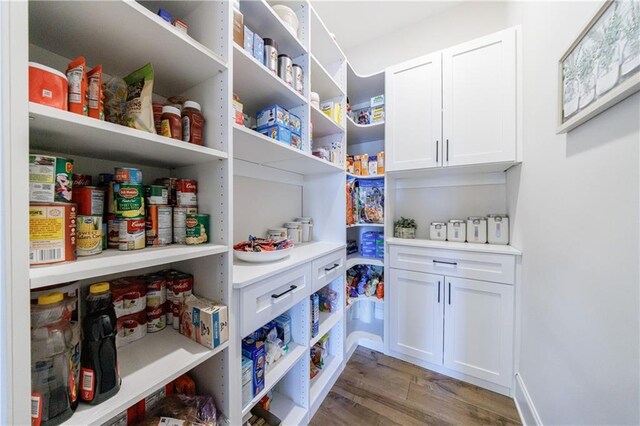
<point x="479" y="329"/>
<point x="479" y="100"/>
<point x="417" y="315"/>
<point x="413" y="114"/>
<point x="456" y="107"/>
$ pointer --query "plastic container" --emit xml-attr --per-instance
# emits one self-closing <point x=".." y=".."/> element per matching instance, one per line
<point x="47" y="86"/>
<point x="298" y="79"/>
<point x="285" y="69"/>
<point x="100" y="379"/>
<point x="51" y="358"/>
<point x="306" y="224"/>
<point x="171" y="122"/>
<point x="288" y="17"/>
<point x="271" y="55"/>
<point x="192" y="123"/>
<point x="438" y="231"/>
<point x="477" y="229"/>
<point x="457" y="230"/>
<point x="294" y="232"/>
<point x="498" y="229"/>
<point x="277" y="233"/>
<point x="314" y="99"/>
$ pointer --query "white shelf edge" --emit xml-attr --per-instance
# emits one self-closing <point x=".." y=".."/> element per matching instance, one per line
<point x="450" y="245"/>
<point x="356" y="259"/>
<point x="365" y="126"/>
<point x="327" y="75"/>
<point x="327" y="325"/>
<point x="296" y="413"/>
<point x="114" y="261"/>
<point x="365" y="177"/>
<point x="329" y="120"/>
<point x="318" y="383"/>
<point x="355" y="300"/>
<point x="366" y="225"/>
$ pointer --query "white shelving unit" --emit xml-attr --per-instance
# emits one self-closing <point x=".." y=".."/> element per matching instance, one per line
<point x="356" y="259"/>
<point x="362" y="133"/>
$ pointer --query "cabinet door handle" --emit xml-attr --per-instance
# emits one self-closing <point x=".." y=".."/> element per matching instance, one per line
<point x="437" y="149"/>
<point x="445" y="263"/>
<point x="438" y="292"/>
<point x="447" y="150"/>
<point x="277" y="296"/>
<point x="335" y="265"/>
<point x="449" y="293"/>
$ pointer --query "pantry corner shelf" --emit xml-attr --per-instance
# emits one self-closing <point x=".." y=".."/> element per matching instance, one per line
<point x="323" y="125"/>
<point x="326" y="322"/>
<point x="251" y="146"/>
<point x="366" y="225"/>
<point x="286" y="410"/>
<point x="365" y="177"/>
<point x="356" y="259"/>
<point x="69" y="29"/>
<point x="323" y="45"/>
<point x="452" y="245"/>
<point x="319" y="382"/>
<point x="359" y="330"/>
<point x="323" y="83"/>
<point x="361" y="88"/>
<point x="145" y="366"/>
<point x="115" y="261"/>
<point x="277" y="372"/>
<point x="362" y="133"/>
<point x="56" y="130"/>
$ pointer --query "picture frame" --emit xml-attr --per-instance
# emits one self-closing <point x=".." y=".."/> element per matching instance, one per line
<point x="602" y="65"/>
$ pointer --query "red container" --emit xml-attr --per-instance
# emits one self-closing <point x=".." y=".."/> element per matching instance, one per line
<point x="90" y="200"/>
<point x="47" y="86"/>
<point x="186" y="192"/>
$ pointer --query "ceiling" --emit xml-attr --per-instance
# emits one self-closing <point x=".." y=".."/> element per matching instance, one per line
<point x="357" y="22"/>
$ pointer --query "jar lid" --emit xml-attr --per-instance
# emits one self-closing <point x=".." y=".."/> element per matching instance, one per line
<point x="297" y="66"/>
<point x="477" y="218"/>
<point x="192" y="104"/>
<point x="48" y="69"/>
<point x="51" y="298"/>
<point x="292" y="224"/>
<point x="277" y="230"/>
<point x="502" y="216"/>
<point x="438" y="223"/>
<point x="170" y="110"/>
<point x="270" y="42"/>
<point x="456" y="221"/>
<point x="99" y="288"/>
<point x="283" y="55"/>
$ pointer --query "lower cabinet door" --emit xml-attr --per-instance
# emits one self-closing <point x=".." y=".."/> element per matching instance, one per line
<point x="416" y="314"/>
<point x="479" y="329"/>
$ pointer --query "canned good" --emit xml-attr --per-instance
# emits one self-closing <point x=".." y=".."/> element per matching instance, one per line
<point x="157" y="195"/>
<point x="285" y="69"/>
<point x="89" y="235"/>
<point x="80" y="180"/>
<point x="172" y="186"/>
<point x="105" y="178"/>
<point x="52" y="233"/>
<point x="128" y="175"/>
<point x="271" y="55"/>
<point x="156" y="319"/>
<point x="159" y="225"/>
<point x="176" y="310"/>
<point x="186" y="192"/>
<point x="197" y="228"/>
<point x="181" y="286"/>
<point x="111" y="197"/>
<point x="129" y="200"/>
<point x="298" y="79"/>
<point x="90" y="200"/>
<point x="180" y="223"/>
<point x="50" y="179"/>
<point x="156" y="290"/>
<point x="131" y="234"/>
<point x="113" y="231"/>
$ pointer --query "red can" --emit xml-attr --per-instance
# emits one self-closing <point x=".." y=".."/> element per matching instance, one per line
<point x="181" y="287"/>
<point x="90" y="200"/>
<point x="80" y="180"/>
<point x="176" y="308"/>
<point x="157" y="116"/>
<point x="156" y="319"/>
<point x="186" y="192"/>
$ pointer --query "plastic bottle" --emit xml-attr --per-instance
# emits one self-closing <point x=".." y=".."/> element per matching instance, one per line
<point x="100" y="379"/>
<point x="51" y="360"/>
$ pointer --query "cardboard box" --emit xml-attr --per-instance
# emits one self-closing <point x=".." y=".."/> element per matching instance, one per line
<point x="282" y="134"/>
<point x="295" y="124"/>
<point x="296" y="141"/>
<point x="248" y="40"/>
<point x="238" y="27"/>
<point x="255" y="351"/>
<point x="283" y="325"/>
<point x="377" y="101"/>
<point x="204" y="321"/>
<point x="258" y="48"/>
<point x="273" y="115"/>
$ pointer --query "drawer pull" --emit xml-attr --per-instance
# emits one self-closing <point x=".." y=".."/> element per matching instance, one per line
<point x="446" y="263"/>
<point x="335" y="265"/>
<point x="449" y="293"/>
<point x="438" y="292"/>
<point x="277" y="296"/>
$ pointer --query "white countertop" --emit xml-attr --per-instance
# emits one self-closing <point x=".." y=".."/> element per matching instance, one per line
<point x="449" y="245"/>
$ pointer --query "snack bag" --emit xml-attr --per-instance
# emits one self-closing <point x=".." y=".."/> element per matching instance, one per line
<point x="371" y="201"/>
<point x="77" y="77"/>
<point x="96" y="107"/>
<point x="139" y="99"/>
<point x="115" y="100"/>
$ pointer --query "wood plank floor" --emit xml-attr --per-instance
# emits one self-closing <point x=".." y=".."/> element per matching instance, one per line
<point x="375" y="389"/>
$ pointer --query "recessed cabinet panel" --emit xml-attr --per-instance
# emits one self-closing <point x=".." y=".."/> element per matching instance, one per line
<point x="479" y="100"/>
<point x="413" y="113"/>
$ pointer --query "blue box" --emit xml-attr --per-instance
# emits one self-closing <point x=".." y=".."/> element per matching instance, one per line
<point x="367" y="252"/>
<point x="258" y="48"/>
<point x="295" y="124"/>
<point x="280" y="133"/>
<point x="248" y="40"/>
<point x="165" y="15"/>
<point x="370" y="236"/>
<point x="296" y="141"/>
<point x="369" y="244"/>
<point x="379" y="254"/>
<point x="284" y="328"/>
<point x="271" y="116"/>
<point x="255" y="351"/>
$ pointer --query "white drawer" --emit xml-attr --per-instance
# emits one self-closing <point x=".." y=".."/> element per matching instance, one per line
<point x="499" y="268"/>
<point x="327" y="268"/>
<point x="263" y="301"/>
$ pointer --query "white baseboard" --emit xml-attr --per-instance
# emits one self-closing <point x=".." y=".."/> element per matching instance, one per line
<point x="524" y="404"/>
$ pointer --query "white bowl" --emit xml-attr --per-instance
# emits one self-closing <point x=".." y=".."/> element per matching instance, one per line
<point x="288" y="17"/>
<point x="262" y="256"/>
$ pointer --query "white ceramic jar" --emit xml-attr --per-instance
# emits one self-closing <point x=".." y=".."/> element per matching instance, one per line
<point x="498" y="229"/>
<point x="307" y="228"/>
<point x="294" y="232"/>
<point x="477" y="229"/>
<point x="277" y="234"/>
<point x="457" y="230"/>
<point x="438" y="231"/>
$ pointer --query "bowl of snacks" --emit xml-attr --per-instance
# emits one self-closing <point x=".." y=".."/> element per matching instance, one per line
<point x="259" y="250"/>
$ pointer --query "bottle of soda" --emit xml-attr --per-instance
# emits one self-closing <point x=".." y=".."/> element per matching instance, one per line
<point x="100" y="379"/>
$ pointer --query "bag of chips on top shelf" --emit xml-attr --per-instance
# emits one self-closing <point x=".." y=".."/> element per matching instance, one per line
<point x="139" y="99"/>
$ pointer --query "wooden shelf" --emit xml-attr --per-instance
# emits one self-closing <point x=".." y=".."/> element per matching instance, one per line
<point x="450" y="245"/>
<point x="251" y="146"/>
<point x="55" y="130"/>
<point x="145" y="366"/>
<point x="327" y="321"/>
<point x="114" y="261"/>
<point x="323" y="125"/>
<point x="71" y="29"/>
<point x="258" y="87"/>
<point x="323" y="83"/>
<point x="361" y="133"/>
<point x="356" y="259"/>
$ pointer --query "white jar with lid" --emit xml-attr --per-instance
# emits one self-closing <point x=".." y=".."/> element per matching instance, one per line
<point x="438" y="231"/>
<point x="477" y="229"/>
<point x="314" y="99"/>
<point x="294" y="232"/>
<point x="307" y="228"/>
<point x="277" y="234"/>
<point x="498" y="229"/>
<point x="457" y="230"/>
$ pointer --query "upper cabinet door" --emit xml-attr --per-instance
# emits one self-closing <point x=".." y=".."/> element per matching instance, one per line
<point x="479" y="100"/>
<point x="414" y="114"/>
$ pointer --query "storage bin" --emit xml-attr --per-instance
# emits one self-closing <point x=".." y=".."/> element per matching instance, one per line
<point x="498" y="229"/>
<point x="47" y="86"/>
<point x="477" y="229"/>
<point x="438" y="231"/>
<point x="289" y="18"/>
<point x="457" y="230"/>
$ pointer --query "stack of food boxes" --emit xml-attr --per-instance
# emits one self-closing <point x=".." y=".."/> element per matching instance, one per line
<point x="278" y="123"/>
<point x="373" y="245"/>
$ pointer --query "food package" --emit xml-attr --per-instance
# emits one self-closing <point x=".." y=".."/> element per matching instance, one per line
<point x="351" y="206"/>
<point x="315" y="314"/>
<point x="77" y="77"/>
<point x="255" y="351"/>
<point x="96" y="105"/>
<point x="139" y="113"/>
<point x="271" y="116"/>
<point x="115" y="100"/>
<point x="275" y="348"/>
<point x="204" y="321"/>
<point x="328" y="300"/>
<point x="371" y="201"/>
<point x="280" y="133"/>
<point x="283" y="326"/>
<point x="184" y="410"/>
<point x="130" y="328"/>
